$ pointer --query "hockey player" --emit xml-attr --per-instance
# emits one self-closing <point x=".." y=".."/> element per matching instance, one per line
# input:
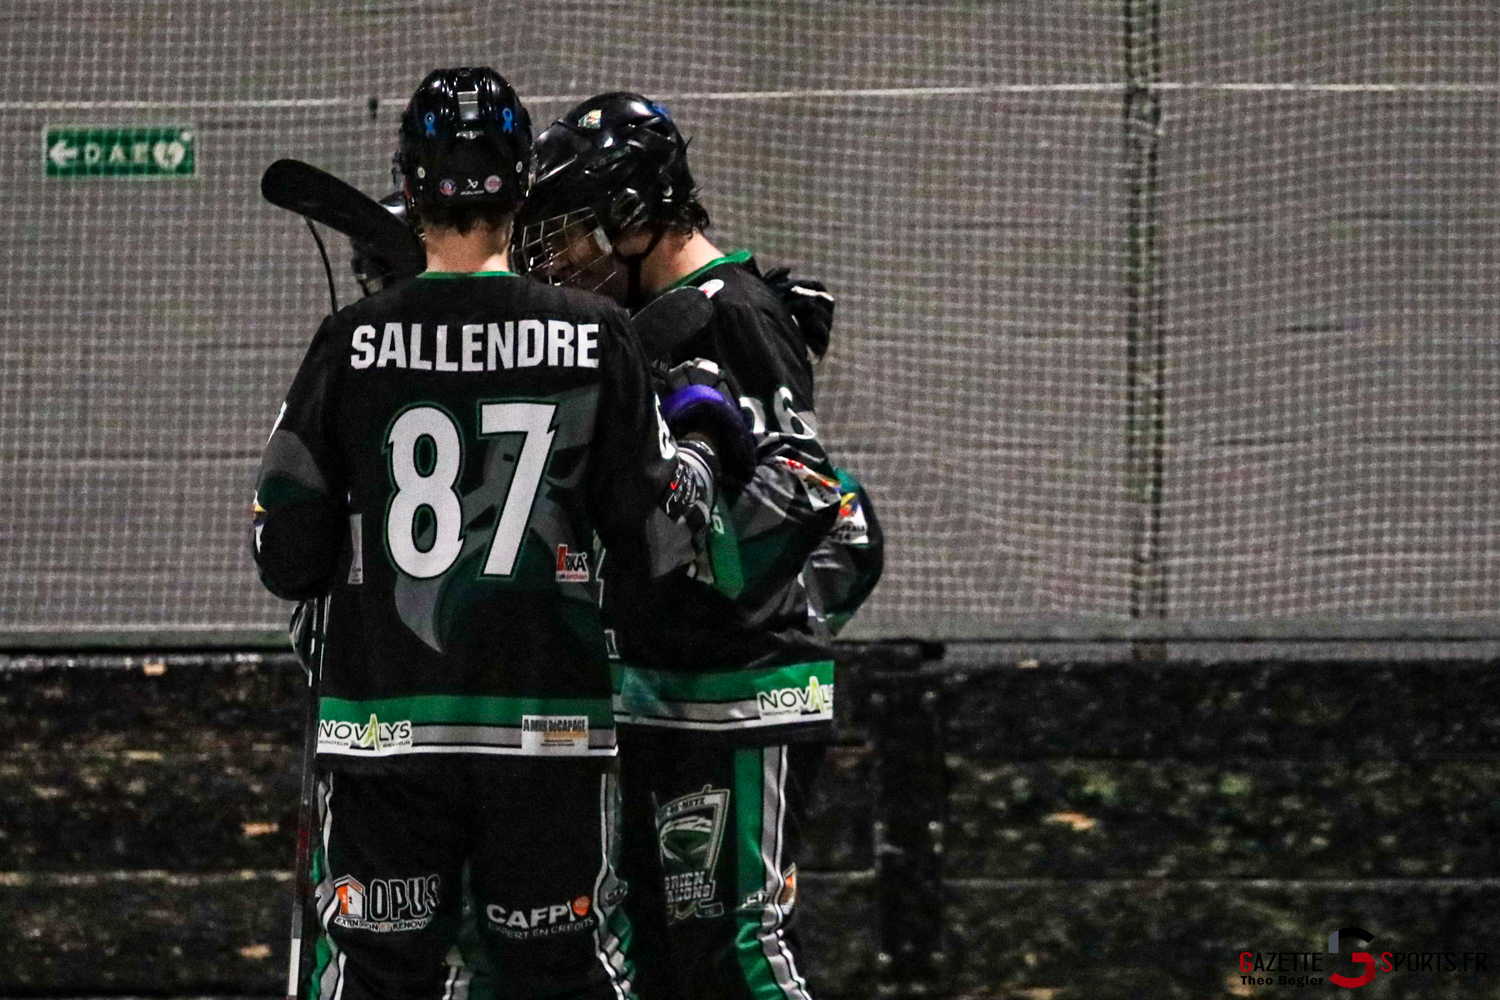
<point x="442" y="464"/>
<point x="723" y="687"/>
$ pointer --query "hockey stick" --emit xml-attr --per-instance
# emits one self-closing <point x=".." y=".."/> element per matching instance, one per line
<point x="307" y="639"/>
<point x="318" y="195"/>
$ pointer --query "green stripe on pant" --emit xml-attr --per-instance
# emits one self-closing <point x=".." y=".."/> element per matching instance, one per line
<point x="760" y="817"/>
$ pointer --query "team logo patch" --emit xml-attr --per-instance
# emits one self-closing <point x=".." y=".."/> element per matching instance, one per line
<point x="815" y="699"/>
<point x="492" y="183"/>
<point x="386" y="905"/>
<point x="522" y="924"/>
<point x="543" y="734"/>
<point x="375" y="737"/>
<point x="690" y="834"/>
<point x="572" y="567"/>
<point x="592" y="119"/>
<point x="446" y="187"/>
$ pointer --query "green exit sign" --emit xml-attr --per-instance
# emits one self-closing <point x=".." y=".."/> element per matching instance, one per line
<point x="119" y="151"/>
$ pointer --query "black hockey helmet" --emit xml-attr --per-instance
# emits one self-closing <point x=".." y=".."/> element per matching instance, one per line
<point x="465" y="139"/>
<point x="618" y="154"/>
<point x="613" y="162"/>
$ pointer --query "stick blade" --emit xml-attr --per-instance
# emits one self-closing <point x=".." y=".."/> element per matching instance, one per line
<point x="318" y="195"/>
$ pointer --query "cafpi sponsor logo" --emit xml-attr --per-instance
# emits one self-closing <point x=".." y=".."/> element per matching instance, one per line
<point x="522" y="923"/>
<point x="815" y="699"/>
<point x="554" y="733"/>
<point x="374" y="736"/>
<point x="386" y="905"/>
<point x="1364" y="963"/>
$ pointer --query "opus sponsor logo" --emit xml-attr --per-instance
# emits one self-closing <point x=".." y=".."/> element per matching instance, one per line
<point x="386" y="905"/>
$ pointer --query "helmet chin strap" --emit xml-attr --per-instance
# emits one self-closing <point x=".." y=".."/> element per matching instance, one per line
<point x="632" y="264"/>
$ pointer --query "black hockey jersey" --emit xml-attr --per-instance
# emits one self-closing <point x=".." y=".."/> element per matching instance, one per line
<point x="740" y="656"/>
<point x="447" y="461"/>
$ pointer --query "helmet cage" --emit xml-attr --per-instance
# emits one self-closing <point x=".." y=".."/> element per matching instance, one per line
<point x="570" y="248"/>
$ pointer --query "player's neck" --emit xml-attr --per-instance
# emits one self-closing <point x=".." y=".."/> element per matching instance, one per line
<point x="480" y="249"/>
<point x="674" y="258"/>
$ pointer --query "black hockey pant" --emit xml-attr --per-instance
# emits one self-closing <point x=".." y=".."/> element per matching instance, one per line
<point x="533" y="841"/>
<point x="710" y="836"/>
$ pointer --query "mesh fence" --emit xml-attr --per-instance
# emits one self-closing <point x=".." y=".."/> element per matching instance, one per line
<point x="1183" y="312"/>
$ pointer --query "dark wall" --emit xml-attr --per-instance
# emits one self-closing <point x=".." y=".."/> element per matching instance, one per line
<point x="989" y="824"/>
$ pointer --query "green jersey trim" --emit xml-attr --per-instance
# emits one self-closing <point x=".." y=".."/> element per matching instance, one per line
<point x="794" y="694"/>
<point x="724" y="555"/>
<point x="458" y="709"/>
<point x="738" y="257"/>
<point x="466" y="724"/>
<point x="449" y="275"/>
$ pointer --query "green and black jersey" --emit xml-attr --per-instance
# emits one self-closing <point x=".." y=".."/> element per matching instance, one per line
<point x="740" y="656"/>
<point x="451" y="457"/>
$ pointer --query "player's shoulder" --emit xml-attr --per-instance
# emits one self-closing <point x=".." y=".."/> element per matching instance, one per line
<point x="575" y="302"/>
<point x="742" y="299"/>
<point x="510" y="294"/>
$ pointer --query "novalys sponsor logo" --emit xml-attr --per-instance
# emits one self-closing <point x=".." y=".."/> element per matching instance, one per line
<point x="521" y="924"/>
<point x="386" y="905"/>
<point x="554" y="733"/>
<point x="815" y="699"/>
<point x="374" y="735"/>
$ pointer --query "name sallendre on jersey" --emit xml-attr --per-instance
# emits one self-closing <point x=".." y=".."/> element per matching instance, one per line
<point x="478" y="347"/>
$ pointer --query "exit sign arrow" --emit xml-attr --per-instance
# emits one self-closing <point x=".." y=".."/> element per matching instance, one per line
<point x="62" y="154"/>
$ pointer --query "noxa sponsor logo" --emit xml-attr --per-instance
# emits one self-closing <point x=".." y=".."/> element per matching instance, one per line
<point x="1360" y="968"/>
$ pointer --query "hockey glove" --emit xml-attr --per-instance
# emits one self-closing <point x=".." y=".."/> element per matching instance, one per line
<point x="669" y="321"/>
<point x="811" y="306"/>
<point x="699" y="400"/>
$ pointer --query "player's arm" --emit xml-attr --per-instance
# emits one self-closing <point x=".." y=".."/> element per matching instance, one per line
<point x="792" y="501"/>
<point x="652" y="491"/>
<point x="299" y="514"/>
<point x="846" y="565"/>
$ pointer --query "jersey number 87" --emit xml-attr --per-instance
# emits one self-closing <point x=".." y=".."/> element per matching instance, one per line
<point x="433" y="489"/>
